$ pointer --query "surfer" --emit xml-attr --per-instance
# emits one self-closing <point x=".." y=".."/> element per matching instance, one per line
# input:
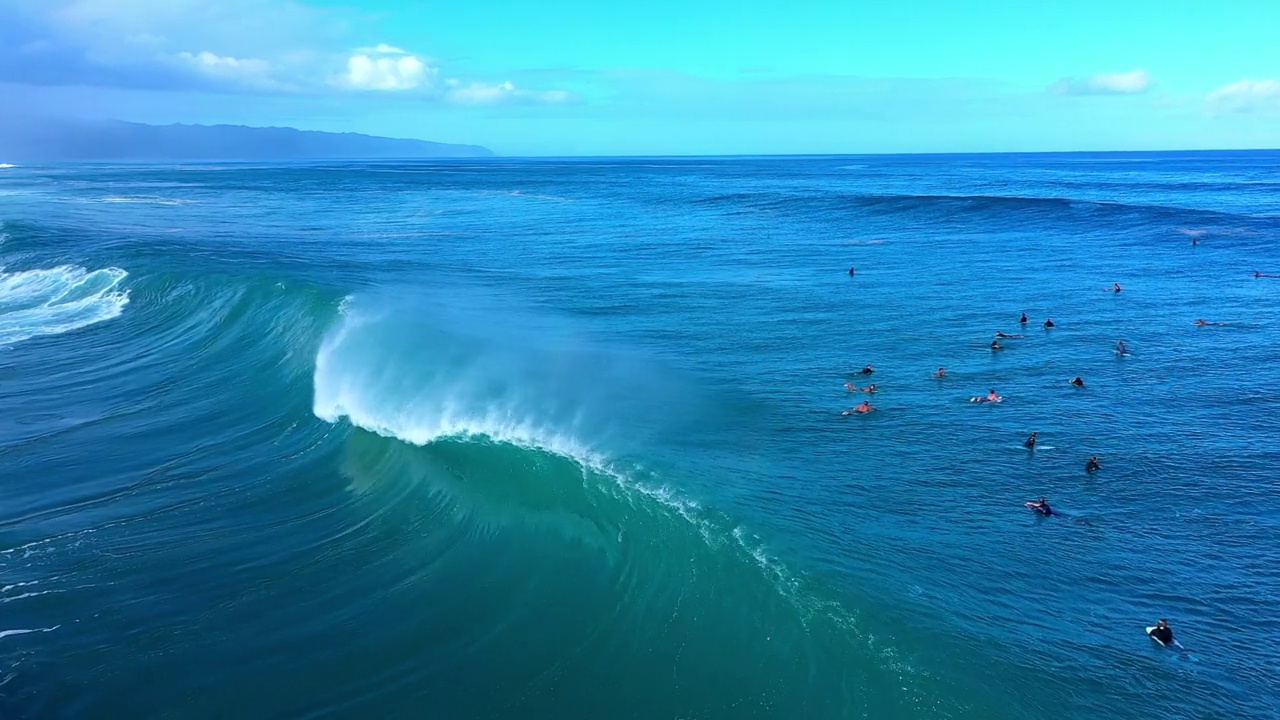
<point x="851" y="271"/>
<point x="1030" y="444"/>
<point x="1023" y="320"/>
<point x="1115" y="287"/>
<point x="1078" y="381"/>
<point x="1041" y="506"/>
<point x="1120" y="348"/>
<point x="1162" y="633"/>
<point x="865" y="407"/>
<point x="1092" y="466"/>
<point x="942" y="372"/>
<point x="870" y="388"/>
<point x="851" y="387"/>
<point x="1048" y="323"/>
<point x="868" y="370"/>
<point x="995" y="345"/>
<point x="1002" y="334"/>
<point x="1206" y="323"/>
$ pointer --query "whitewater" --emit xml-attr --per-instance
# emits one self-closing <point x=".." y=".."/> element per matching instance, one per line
<point x="488" y="439"/>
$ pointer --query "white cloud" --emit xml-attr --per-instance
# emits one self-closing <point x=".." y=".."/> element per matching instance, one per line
<point x="227" y="46"/>
<point x="1246" y="95"/>
<point x="381" y="49"/>
<point x="506" y="92"/>
<point x="217" y="64"/>
<point x="1126" y="83"/>
<point x="404" y="72"/>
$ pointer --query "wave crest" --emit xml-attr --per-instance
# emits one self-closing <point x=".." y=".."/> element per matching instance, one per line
<point x="428" y="373"/>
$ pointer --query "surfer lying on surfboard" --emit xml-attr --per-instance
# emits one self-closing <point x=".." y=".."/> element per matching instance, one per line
<point x="991" y="397"/>
<point x="1041" y="506"/>
<point x="864" y="408"/>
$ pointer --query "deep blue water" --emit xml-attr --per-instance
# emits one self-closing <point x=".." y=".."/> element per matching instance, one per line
<point x="563" y="439"/>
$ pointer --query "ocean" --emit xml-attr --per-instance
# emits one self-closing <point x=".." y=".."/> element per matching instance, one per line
<point x="564" y="438"/>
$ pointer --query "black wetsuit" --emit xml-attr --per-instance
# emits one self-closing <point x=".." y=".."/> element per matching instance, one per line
<point x="1163" y="634"/>
<point x="1091" y="466"/>
<point x="1042" y="508"/>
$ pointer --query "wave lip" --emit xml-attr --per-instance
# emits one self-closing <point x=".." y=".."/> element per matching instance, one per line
<point x="56" y="300"/>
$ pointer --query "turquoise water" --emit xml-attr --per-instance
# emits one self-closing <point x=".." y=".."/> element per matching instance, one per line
<point x="564" y="438"/>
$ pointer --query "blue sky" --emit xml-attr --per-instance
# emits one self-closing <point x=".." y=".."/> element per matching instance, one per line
<point x="665" y="77"/>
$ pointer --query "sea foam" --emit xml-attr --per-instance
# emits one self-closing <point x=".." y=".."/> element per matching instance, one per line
<point x="57" y="300"/>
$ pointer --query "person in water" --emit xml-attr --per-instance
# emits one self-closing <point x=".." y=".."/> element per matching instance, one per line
<point x="864" y="407"/>
<point x="868" y="370"/>
<point x="1048" y="323"/>
<point x="1206" y="323"/>
<point x="1002" y="334"/>
<point x="1120" y="348"/>
<point x="995" y="345"/>
<point x="1092" y="466"/>
<point x="870" y="388"/>
<point x="1115" y="287"/>
<point x="942" y="372"/>
<point x="852" y="271"/>
<point x="993" y="396"/>
<point x="1030" y="444"/>
<point x="851" y="387"/>
<point x="1078" y="381"/>
<point x="1041" y="506"/>
<point x="1162" y="632"/>
<point x="1023" y="320"/>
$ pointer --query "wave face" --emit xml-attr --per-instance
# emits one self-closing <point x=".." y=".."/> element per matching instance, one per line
<point x="511" y="439"/>
<point x="509" y="413"/>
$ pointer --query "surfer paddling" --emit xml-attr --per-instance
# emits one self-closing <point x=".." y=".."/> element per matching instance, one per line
<point x="862" y="409"/>
<point x="1041" y="506"/>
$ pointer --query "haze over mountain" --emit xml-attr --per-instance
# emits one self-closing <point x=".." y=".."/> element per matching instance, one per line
<point x="46" y="140"/>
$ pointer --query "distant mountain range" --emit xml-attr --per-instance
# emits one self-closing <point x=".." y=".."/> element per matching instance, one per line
<point x="44" y="140"/>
